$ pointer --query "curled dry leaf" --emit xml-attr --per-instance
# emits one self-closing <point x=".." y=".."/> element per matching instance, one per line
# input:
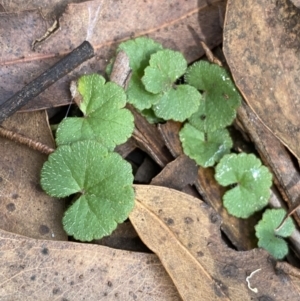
<point x="261" y="45"/>
<point x="51" y="270"/>
<point x="185" y="234"/>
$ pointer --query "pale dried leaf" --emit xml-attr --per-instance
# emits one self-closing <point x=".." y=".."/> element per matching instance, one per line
<point x="185" y="234"/>
<point x="51" y="270"/>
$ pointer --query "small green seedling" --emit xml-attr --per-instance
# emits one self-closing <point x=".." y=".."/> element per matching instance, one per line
<point x="220" y="98"/>
<point x="102" y="181"/>
<point x="139" y="52"/>
<point x="252" y="183"/>
<point x="104" y="117"/>
<point x="177" y="102"/>
<point x="269" y="237"/>
<point x="84" y="164"/>
<point x="152" y="88"/>
<point x="205" y="148"/>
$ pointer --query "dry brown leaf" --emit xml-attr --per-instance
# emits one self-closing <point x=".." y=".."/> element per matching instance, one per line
<point x="24" y="207"/>
<point x="261" y="45"/>
<point x="293" y="272"/>
<point x="148" y="139"/>
<point x="50" y="270"/>
<point x="48" y="8"/>
<point x="177" y="174"/>
<point x="124" y="237"/>
<point x="185" y="234"/>
<point x="179" y="25"/>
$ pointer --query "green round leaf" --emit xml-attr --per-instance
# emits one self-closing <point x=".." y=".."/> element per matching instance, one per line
<point x="103" y="181"/>
<point x="165" y="67"/>
<point x="252" y="180"/>
<point x="269" y="238"/>
<point x="139" y="51"/>
<point x="106" y="120"/>
<point x="205" y="149"/>
<point x="138" y="96"/>
<point x="178" y="104"/>
<point x="150" y="116"/>
<point x="220" y="97"/>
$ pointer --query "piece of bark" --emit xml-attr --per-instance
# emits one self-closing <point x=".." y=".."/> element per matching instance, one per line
<point x="169" y="132"/>
<point x="149" y="139"/>
<point x="191" y="190"/>
<point x="126" y="148"/>
<point x="24" y="207"/>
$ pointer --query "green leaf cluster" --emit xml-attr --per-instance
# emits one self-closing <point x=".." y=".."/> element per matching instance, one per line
<point x="208" y="98"/>
<point x="139" y="52"/>
<point x="153" y="85"/>
<point x="269" y="237"/>
<point x="102" y="182"/>
<point x="220" y="98"/>
<point x="84" y="163"/>
<point x="104" y="117"/>
<point x="205" y="148"/>
<point x="205" y="137"/>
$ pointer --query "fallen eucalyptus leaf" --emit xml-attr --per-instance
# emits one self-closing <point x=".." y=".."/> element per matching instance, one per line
<point x="261" y="45"/>
<point x="51" y="270"/>
<point x="185" y="234"/>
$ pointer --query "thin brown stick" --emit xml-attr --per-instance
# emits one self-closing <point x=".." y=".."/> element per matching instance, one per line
<point x="46" y="79"/>
<point x="35" y="145"/>
<point x="288" y="214"/>
<point x="210" y="56"/>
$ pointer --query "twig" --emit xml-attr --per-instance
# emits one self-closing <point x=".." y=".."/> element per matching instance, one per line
<point x="46" y="79"/>
<point x="288" y="214"/>
<point x="210" y="55"/>
<point x="5" y="133"/>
